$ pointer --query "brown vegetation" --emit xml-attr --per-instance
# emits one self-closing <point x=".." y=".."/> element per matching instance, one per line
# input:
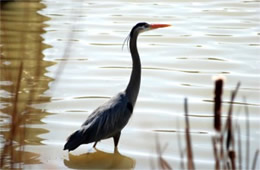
<point x="226" y="154"/>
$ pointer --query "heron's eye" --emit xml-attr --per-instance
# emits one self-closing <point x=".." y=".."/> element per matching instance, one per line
<point x="146" y="26"/>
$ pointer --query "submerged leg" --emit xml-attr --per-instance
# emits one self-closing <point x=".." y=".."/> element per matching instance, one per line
<point x="116" y="138"/>
<point x="94" y="146"/>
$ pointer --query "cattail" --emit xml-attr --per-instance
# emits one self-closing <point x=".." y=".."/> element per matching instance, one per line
<point x="217" y="101"/>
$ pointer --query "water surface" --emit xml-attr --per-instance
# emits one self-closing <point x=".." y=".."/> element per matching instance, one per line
<point x="73" y="61"/>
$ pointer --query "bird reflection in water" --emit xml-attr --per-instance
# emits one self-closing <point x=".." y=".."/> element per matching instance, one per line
<point x="100" y="160"/>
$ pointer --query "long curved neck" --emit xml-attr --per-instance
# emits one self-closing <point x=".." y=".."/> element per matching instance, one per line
<point x="133" y="86"/>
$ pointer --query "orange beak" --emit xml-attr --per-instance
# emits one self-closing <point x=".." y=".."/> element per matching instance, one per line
<point x="155" y="26"/>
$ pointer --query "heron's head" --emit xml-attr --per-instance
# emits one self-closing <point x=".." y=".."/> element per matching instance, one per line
<point x="143" y="26"/>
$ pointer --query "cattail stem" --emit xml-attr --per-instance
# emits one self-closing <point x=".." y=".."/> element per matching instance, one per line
<point x="214" y="143"/>
<point x="247" y="136"/>
<point x="179" y="145"/>
<point x="239" y="148"/>
<point x="232" y="157"/>
<point x="188" y="139"/>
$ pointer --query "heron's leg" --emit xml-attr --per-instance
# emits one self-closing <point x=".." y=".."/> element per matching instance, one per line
<point x="94" y="146"/>
<point x="116" y="138"/>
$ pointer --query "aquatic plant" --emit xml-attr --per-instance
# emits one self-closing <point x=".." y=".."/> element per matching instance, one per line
<point x="226" y="148"/>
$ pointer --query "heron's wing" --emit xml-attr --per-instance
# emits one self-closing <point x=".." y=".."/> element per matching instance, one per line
<point x="115" y="103"/>
<point x="106" y="121"/>
<point x="109" y="118"/>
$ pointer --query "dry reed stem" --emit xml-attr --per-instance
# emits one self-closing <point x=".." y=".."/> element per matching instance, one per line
<point x="228" y="127"/>
<point x="255" y="159"/>
<point x="188" y="138"/>
<point x="15" y="116"/>
<point x="179" y="145"/>
<point x="230" y="137"/>
<point x="14" y="125"/>
<point x="162" y="162"/>
<point x="66" y="53"/>
<point x="65" y="56"/>
<point x="214" y="143"/>
<point x="239" y="148"/>
<point x="247" y="134"/>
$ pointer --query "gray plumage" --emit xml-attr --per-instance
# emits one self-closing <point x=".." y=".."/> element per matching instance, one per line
<point x="111" y="117"/>
<point x="100" y="126"/>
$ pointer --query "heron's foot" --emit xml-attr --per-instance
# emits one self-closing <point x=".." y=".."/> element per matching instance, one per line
<point x="116" y="150"/>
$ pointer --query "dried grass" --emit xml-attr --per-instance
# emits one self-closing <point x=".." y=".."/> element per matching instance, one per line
<point x="17" y="119"/>
<point x="226" y="155"/>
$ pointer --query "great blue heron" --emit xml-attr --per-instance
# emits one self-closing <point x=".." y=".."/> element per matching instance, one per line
<point x="111" y="117"/>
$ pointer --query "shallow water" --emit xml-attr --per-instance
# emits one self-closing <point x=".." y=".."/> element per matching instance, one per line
<point x="73" y="62"/>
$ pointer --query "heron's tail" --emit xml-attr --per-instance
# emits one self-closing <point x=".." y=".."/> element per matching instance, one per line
<point x="74" y="140"/>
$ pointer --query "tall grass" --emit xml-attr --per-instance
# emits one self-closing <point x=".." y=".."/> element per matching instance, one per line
<point x="15" y="132"/>
<point x="21" y="47"/>
<point x="227" y="149"/>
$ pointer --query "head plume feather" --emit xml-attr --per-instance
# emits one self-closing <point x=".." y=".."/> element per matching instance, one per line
<point x="126" y="41"/>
